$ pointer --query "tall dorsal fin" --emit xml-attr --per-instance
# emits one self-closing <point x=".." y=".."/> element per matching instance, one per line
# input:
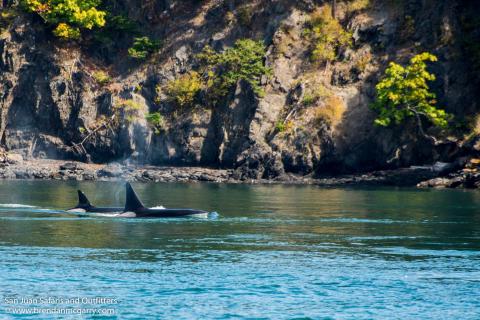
<point x="132" y="202"/>
<point x="83" y="200"/>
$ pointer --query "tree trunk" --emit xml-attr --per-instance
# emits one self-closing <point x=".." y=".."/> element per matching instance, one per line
<point x="334" y="8"/>
<point x="434" y="141"/>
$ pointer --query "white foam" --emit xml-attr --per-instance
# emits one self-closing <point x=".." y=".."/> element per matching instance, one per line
<point x="108" y="215"/>
<point x="128" y="214"/>
<point x="116" y="215"/>
<point x="15" y="205"/>
<point x="77" y="210"/>
<point x="158" y="207"/>
<point x="203" y="215"/>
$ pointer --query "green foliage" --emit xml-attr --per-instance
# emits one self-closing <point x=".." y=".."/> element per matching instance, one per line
<point x="121" y="23"/>
<point x="309" y="99"/>
<point x="313" y="95"/>
<point x="156" y="121"/>
<point x="282" y="126"/>
<point x="112" y="38"/>
<point x="127" y="109"/>
<point x="407" y="28"/>
<point x="326" y="34"/>
<point x="142" y="47"/>
<point x="69" y="16"/>
<point x="184" y="90"/>
<point x="244" y="61"/>
<point x="101" y="77"/>
<point x="245" y="15"/>
<point x="6" y="18"/>
<point x="404" y="92"/>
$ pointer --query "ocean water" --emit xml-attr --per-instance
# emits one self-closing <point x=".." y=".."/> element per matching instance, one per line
<point x="269" y="252"/>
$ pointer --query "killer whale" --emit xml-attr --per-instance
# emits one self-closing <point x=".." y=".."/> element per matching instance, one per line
<point x="135" y="206"/>
<point x="84" y="205"/>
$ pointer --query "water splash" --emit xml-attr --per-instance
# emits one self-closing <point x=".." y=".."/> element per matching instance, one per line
<point x="15" y="205"/>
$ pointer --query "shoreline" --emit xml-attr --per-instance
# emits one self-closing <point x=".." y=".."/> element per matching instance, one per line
<point x="48" y="169"/>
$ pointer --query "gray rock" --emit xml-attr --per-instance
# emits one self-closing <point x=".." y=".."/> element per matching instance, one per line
<point x="69" y="166"/>
<point x="14" y="158"/>
<point x="111" y="171"/>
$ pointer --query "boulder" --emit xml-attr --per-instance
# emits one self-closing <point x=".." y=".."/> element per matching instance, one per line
<point x="111" y="171"/>
<point x="13" y="158"/>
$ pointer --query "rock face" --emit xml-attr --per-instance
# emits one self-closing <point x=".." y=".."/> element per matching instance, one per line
<point x="50" y="100"/>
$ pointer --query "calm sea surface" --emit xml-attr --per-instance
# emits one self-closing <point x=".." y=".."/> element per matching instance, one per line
<point x="270" y="252"/>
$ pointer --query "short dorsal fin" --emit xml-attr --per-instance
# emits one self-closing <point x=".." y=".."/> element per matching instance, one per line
<point x="132" y="202"/>
<point x="83" y="200"/>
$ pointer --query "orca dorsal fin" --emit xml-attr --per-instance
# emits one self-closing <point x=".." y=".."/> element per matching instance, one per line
<point x="83" y="200"/>
<point x="132" y="202"/>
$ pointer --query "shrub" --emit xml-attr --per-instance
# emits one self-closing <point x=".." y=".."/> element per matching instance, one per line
<point x="312" y="96"/>
<point x="357" y="5"/>
<point x="244" y="61"/>
<point x="69" y="16"/>
<point x="156" y="121"/>
<point x="142" y="47"/>
<point x="6" y="18"/>
<point x="127" y="109"/>
<point x="184" y="90"/>
<point x="326" y="34"/>
<point x="309" y="99"/>
<point x="331" y="112"/>
<point x="407" y="28"/>
<point x="362" y="62"/>
<point x="101" y="77"/>
<point x="282" y="126"/>
<point x="404" y="92"/>
<point x="229" y="17"/>
<point x="245" y="15"/>
<point x="121" y="23"/>
<point x="111" y="37"/>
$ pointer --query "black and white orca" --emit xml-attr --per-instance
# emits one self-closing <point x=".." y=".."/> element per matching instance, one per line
<point x="135" y="208"/>
<point x="84" y="205"/>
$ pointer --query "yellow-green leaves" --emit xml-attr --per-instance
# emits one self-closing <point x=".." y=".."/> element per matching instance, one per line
<point x="155" y="121"/>
<point x="404" y="92"/>
<point x="68" y="16"/>
<point x="66" y="31"/>
<point x="327" y="35"/>
<point x="183" y="90"/>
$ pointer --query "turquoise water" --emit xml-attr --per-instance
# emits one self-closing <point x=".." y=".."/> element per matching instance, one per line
<point x="272" y="252"/>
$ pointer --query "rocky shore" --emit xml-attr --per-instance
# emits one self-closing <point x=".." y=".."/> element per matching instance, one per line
<point x="468" y="177"/>
<point x="14" y="167"/>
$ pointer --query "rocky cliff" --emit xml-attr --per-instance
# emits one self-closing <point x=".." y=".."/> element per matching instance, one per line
<point x="50" y="101"/>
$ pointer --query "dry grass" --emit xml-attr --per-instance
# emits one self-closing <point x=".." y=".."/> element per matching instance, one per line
<point x="315" y="93"/>
<point x="363" y="61"/>
<point x="357" y="5"/>
<point x="331" y="112"/>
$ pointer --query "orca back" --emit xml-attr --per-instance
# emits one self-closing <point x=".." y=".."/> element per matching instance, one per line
<point x="132" y="202"/>
<point x="83" y="201"/>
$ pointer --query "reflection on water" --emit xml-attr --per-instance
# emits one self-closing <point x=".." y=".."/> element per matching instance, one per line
<point x="272" y="251"/>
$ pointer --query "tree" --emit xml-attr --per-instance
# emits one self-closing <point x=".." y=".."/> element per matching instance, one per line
<point x="68" y="16"/>
<point x="142" y="47"/>
<point x="244" y="61"/>
<point x="334" y="9"/>
<point x="404" y="93"/>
